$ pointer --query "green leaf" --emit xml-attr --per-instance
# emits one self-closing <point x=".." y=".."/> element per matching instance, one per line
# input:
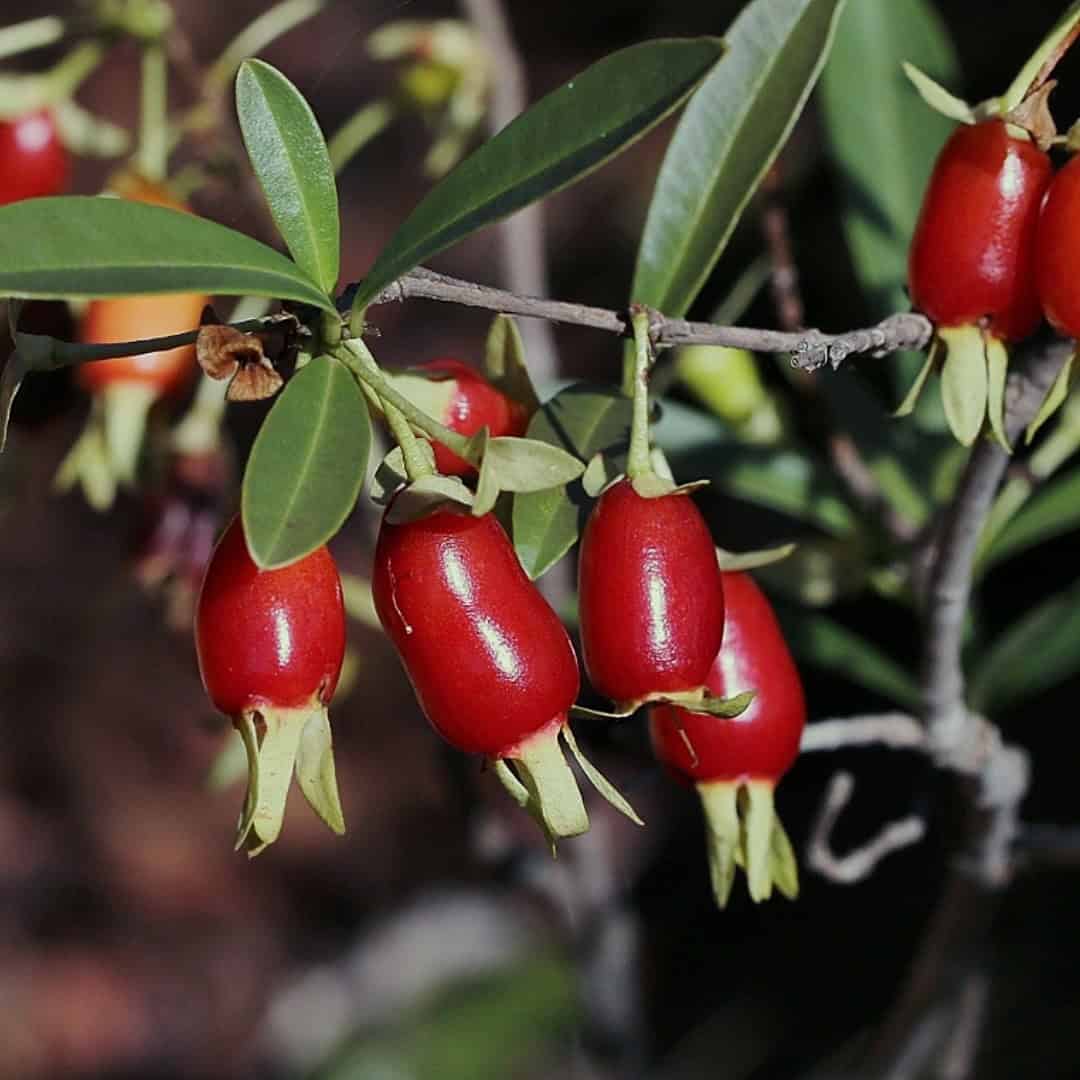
<point x="938" y="98"/>
<point x="561" y="138"/>
<point x="1038" y="651"/>
<point x="883" y="138"/>
<point x="785" y="480"/>
<point x="531" y="464"/>
<point x="819" y="641"/>
<point x="582" y="420"/>
<point x="307" y="465"/>
<point x="86" y="246"/>
<point x="289" y="156"/>
<point x="884" y="141"/>
<point x="731" y="131"/>
<point x="964" y="381"/>
<point x="1052" y="511"/>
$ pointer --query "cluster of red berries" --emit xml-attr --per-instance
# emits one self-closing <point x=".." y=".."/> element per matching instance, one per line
<point x="495" y="671"/>
<point x="995" y="244"/>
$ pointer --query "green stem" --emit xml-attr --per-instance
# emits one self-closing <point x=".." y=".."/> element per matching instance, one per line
<point x="1045" y="58"/>
<point x="153" y="154"/>
<point x="259" y="33"/>
<point x="32" y="34"/>
<point x="363" y="126"/>
<point x="637" y="462"/>
<point x="416" y="465"/>
<point x="68" y="75"/>
<point x="356" y="355"/>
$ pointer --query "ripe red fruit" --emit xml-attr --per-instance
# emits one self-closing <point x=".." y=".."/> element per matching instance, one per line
<point x="651" y="596"/>
<point x="125" y="388"/>
<point x="459" y="397"/>
<point x="35" y="161"/>
<point x="973" y="253"/>
<point x="492" y="666"/>
<point x="735" y="762"/>
<point x="1058" y="251"/>
<point x="270" y="645"/>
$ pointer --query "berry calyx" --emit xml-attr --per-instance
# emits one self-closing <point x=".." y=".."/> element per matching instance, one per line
<point x="460" y="398"/>
<point x="124" y="389"/>
<point x="492" y="666"/>
<point x="971" y="266"/>
<point x="270" y="645"/>
<point x="651" y="596"/>
<point x="735" y="762"/>
<point x="35" y="160"/>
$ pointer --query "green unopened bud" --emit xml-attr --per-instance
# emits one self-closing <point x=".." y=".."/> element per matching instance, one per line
<point x="725" y="380"/>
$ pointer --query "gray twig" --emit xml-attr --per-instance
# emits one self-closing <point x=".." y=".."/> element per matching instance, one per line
<point x="809" y="348"/>
<point x="898" y="731"/>
<point x="859" y="864"/>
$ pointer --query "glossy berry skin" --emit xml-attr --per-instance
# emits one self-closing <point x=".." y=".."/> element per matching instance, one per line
<point x="650" y="593"/>
<point x="763" y="741"/>
<point x="489" y="660"/>
<point x="268" y="638"/>
<point x="473" y="404"/>
<point x="1058" y="251"/>
<point x="973" y="253"/>
<point x="33" y="160"/>
<point x="129" y="318"/>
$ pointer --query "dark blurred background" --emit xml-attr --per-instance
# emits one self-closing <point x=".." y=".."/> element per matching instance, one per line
<point x="438" y="939"/>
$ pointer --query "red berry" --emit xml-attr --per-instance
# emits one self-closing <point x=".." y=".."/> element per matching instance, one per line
<point x="651" y="596"/>
<point x="270" y="645"/>
<point x="1058" y="251"/>
<point x="459" y="397"/>
<point x="489" y="660"/>
<point x="492" y="666"/>
<point x="761" y="742"/>
<point x="269" y="637"/>
<point x="973" y="253"/>
<point x="735" y="762"/>
<point x="35" y="161"/>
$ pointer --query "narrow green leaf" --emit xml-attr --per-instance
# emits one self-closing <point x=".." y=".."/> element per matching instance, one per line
<point x="938" y="98"/>
<point x="884" y="141"/>
<point x="1036" y="652"/>
<point x="883" y="138"/>
<point x="819" y="641"/>
<point x="531" y="464"/>
<point x="307" y="465"/>
<point x="1052" y="511"/>
<point x="86" y="246"/>
<point x="731" y="131"/>
<point x="582" y="420"/>
<point x="787" y="481"/>
<point x="561" y="138"/>
<point x="964" y="381"/>
<point x="289" y="156"/>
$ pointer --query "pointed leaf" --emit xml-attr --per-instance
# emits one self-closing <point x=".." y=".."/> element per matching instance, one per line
<point x="504" y="363"/>
<point x="531" y="465"/>
<point x="731" y="131"/>
<point x="307" y="465"/>
<point x="583" y="420"/>
<point x="1053" y="511"/>
<point x="1038" y="651"/>
<point x="997" y="364"/>
<point x="784" y="480"/>
<point x="964" y="381"/>
<point x="821" y="642"/>
<point x="884" y="141"/>
<point x="1054" y="399"/>
<point x="87" y="246"/>
<point x="561" y="138"/>
<point x="598" y="780"/>
<point x="289" y="156"/>
<point x="938" y="98"/>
